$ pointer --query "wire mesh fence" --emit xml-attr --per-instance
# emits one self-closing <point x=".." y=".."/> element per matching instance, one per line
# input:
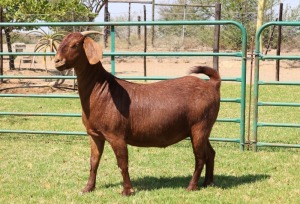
<point x="183" y="38"/>
<point x="166" y="39"/>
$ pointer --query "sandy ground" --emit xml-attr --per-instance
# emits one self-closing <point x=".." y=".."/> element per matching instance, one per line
<point x="134" y="66"/>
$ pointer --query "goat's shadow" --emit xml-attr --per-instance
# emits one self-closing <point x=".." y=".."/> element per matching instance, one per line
<point x="150" y="183"/>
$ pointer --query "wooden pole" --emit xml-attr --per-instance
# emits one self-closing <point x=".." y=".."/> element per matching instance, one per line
<point x="270" y="39"/>
<point x="153" y="12"/>
<point x="129" y="18"/>
<point x="184" y="18"/>
<point x="139" y="28"/>
<point x="279" y="43"/>
<point x="217" y="36"/>
<point x="106" y="28"/>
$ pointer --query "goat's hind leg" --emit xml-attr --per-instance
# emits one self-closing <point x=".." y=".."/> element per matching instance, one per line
<point x="209" y="170"/>
<point x="97" y="146"/>
<point x="199" y="142"/>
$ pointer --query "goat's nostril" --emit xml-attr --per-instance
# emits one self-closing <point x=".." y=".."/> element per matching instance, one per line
<point x="59" y="62"/>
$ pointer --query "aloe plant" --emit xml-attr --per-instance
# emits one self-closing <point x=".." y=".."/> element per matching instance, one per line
<point x="48" y="42"/>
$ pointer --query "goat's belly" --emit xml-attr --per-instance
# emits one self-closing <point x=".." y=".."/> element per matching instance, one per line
<point x="163" y="140"/>
<point x="158" y="131"/>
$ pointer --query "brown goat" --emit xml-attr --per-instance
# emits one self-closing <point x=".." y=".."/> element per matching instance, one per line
<point x="145" y="115"/>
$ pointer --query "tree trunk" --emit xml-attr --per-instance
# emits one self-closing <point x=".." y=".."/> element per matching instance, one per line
<point x="260" y="18"/>
<point x="9" y="48"/>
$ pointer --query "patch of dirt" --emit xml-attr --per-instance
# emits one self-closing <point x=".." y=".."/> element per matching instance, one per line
<point x="134" y="66"/>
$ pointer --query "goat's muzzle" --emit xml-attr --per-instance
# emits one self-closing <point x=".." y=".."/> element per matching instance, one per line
<point x="60" y="64"/>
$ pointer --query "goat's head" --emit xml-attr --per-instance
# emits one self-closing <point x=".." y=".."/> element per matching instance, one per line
<point x="75" y="49"/>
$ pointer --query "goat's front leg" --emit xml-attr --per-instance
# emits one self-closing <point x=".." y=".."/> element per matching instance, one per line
<point x="97" y="146"/>
<point x="120" y="149"/>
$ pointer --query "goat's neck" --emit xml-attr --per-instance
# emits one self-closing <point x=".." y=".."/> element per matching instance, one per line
<point x="93" y="75"/>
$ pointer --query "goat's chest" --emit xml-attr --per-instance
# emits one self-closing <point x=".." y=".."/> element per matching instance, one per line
<point x="104" y="119"/>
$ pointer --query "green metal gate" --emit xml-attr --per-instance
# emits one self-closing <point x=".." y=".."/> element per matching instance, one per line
<point x="259" y="83"/>
<point x="240" y="139"/>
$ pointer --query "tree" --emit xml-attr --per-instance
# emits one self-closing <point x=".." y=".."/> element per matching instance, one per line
<point x="243" y="11"/>
<point x="94" y="6"/>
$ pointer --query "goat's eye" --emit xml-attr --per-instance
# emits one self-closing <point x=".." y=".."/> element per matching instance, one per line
<point x="75" y="46"/>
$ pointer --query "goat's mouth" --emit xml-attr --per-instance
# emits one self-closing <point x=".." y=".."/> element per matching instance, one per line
<point x="60" y="65"/>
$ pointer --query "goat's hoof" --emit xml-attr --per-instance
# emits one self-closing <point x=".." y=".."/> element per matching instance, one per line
<point x="128" y="192"/>
<point x="87" y="189"/>
<point x="192" y="188"/>
<point x="208" y="184"/>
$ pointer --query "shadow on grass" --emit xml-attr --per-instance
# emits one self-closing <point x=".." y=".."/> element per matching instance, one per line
<point x="225" y="182"/>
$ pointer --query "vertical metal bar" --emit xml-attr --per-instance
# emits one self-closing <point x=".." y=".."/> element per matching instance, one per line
<point x="279" y="43"/>
<point x="217" y="36"/>
<point x="255" y="104"/>
<point x="256" y="90"/>
<point x="145" y="42"/>
<point x="243" y="88"/>
<point x="73" y="19"/>
<point x="112" y="49"/>
<point x="250" y="95"/>
<point x="1" y="45"/>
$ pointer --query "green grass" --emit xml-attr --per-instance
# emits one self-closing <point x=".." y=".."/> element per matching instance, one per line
<point x="40" y="105"/>
<point x="53" y="169"/>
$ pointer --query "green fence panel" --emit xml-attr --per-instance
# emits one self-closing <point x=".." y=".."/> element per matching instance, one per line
<point x="258" y="83"/>
<point x="112" y="54"/>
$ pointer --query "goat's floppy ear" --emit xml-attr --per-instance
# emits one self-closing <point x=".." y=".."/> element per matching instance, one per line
<point x="92" y="50"/>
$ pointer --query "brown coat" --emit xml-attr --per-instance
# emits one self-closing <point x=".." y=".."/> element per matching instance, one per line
<point x="146" y="115"/>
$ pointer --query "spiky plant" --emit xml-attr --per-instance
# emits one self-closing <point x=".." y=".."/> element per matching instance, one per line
<point x="48" y="41"/>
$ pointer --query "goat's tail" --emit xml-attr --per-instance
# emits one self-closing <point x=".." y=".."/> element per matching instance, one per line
<point x="212" y="73"/>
